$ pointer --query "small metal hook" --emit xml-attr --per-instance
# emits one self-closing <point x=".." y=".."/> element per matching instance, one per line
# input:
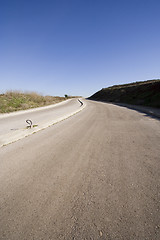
<point x="29" y="123"/>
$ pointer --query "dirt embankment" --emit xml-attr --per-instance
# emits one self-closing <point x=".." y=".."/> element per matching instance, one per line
<point x="145" y="93"/>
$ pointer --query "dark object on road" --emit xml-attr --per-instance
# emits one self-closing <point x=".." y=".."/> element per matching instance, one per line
<point x="29" y="123"/>
<point x="80" y="102"/>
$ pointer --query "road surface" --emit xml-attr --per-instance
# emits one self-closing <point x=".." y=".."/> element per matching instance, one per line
<point x="95" y="175"/>
<point x="13" y="126"/>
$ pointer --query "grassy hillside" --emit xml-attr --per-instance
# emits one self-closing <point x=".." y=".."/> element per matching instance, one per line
<point x="145" y="93"/>
<point x="14" y="101"/>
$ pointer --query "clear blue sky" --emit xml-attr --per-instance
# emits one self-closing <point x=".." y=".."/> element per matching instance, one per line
<point x="77" y="47"/>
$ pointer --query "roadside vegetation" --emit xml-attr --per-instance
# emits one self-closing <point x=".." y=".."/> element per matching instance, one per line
<point x="146" y="93"/>
<point x="15" y="101"/>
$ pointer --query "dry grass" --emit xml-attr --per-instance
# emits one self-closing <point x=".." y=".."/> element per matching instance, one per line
<point x="16" y="100"/>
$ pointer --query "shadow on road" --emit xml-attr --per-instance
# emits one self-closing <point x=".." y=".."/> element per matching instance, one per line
<point x="149" y="112"/>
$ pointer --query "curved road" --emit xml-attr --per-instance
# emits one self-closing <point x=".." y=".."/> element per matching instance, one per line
<point x="17" y="120"/>
<point x="93" y="176"/>
<point x="13" y="126"/>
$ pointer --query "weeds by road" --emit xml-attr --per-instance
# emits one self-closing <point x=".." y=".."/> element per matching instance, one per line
<point x="15" y="101"/>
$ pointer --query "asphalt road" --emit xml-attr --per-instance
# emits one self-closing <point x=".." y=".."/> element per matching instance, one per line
<point x="17" y="120"/>
<point x="13" y="126"/>
<point x="95" y="175"/>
